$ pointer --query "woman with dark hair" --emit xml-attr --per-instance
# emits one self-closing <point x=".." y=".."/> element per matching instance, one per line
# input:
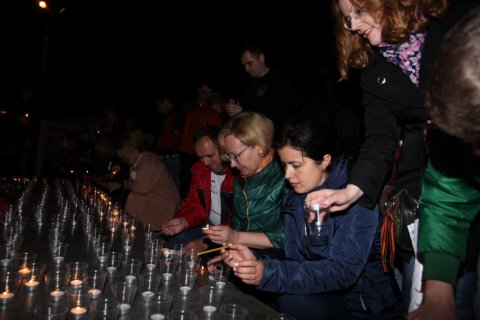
<point x="337" y="275"/>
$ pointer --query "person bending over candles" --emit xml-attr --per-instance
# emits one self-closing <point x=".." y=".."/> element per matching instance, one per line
<point x="337" y="276"/>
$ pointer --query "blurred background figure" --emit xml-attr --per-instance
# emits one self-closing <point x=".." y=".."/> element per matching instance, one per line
<point x="153" y="197"/>
<point x="269" y="91"/>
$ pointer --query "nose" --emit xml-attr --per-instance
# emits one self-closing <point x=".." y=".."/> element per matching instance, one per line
<point x="355" y="23"/>
<point x="288" y="173"/>
<point x="233" y="164"/>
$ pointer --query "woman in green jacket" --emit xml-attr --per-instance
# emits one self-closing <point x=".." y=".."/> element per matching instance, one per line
<point x="258" y="190"/>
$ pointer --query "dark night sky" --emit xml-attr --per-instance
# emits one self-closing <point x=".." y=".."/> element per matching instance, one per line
<point x="128" y="52"/>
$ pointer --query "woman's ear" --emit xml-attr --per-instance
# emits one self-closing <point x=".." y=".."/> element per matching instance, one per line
<point x="259" y="150"/>
<point x="327" y="159"/>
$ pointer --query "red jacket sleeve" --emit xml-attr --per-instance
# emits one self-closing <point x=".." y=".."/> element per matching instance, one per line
<point x="192" y="208"/>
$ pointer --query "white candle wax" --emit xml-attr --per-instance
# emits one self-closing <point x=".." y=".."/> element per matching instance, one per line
<point x="4" y="262"/>
<point x="127" y="248"/>
<point x="124" y="308"/>
<point x="157" y="316"/>
<point x="111" y="270"/>
<point x="151" y="266"/>
<point x="130" y="278"/>
<point x="57" y="294"/>
<point x="31" y="284"/>
<point x="94" y="293"/>
<point x="209" y="309"/>
<point x="167" y="276"/>
<point x="76" y="283"/>
<point x="102" y="259"/>
<point x="184" y="290"/>
<point x="78" y="311"/>
<point x="220" y="284"/>
<point x="147" y="295"/>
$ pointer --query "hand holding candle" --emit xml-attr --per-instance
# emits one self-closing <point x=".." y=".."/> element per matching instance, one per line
<point x="221" y="234"/>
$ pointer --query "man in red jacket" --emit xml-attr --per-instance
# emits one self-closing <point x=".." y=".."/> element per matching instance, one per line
<point x="210" y="197"/>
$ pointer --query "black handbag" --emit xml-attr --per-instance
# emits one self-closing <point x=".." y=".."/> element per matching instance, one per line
<point x="399" y="209"/>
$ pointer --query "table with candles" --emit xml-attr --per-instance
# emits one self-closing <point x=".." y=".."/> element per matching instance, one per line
<point x="68" y="252"/>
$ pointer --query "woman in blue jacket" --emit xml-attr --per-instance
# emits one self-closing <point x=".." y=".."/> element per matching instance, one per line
<point x="337" y="277"/>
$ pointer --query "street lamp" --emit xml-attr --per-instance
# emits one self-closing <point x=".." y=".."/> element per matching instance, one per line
<point x="48" y="28"/>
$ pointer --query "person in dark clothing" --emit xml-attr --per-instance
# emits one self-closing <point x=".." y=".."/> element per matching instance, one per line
<point x="268" y="92"/>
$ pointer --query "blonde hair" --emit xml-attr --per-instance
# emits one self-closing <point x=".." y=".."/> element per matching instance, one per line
<point x="397" y="17"/>
<point x="252" y="129"/>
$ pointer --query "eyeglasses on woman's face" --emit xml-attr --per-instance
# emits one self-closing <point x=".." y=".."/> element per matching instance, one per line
<point x="235" y="157"/>
<point x="356" y="14"/>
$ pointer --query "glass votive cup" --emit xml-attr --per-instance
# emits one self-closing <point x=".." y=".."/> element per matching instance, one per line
<point x="105" y="309"/>
<point x="25" y="261"/>
<point x="50" y="311"/>
<point x="56" y="284"/>
<point x="56" y="264"/>
<point x="186" y="279"/>
<point x="7" y="255"/>
<point x="221" y="273"/>
<point x="210" y="297"/>
<point x="78" y="302"/>
<point x="181" y="315"/>
<point x="124" y="293"/>
<point x="159" y="306"/>
<point x="32" y="280"/>
<point x="113" y="262"/>
<point x="103" y="250"/>
<point x="9" y="282"/>
<point x="128" y="240"/>
<point x="95" y="282"/>
<point x="59" y="250"/>
<point x="233" y="311"/>
<point x="151" y="257"/>
<point x="168" y="266"/>
<point x="148" y="284"/>
<point x="77" y="271"/>
<point x="132" y="266"/>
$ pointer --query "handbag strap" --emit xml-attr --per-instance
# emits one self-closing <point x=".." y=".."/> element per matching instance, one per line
<point x="387" y="230"/>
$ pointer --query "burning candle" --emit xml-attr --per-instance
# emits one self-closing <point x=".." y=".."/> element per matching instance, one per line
<point x="24" y="270"/>
<point x="31" y="284"/>
<point x="76" y="283"/>
<point x="78" y="311"/>
<point x="207" y="227"/>
<point x="6" y="297"/>
<point x="57" y="294"/>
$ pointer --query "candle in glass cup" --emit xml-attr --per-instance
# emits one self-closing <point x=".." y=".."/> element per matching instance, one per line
<point x="31" y="284"/>
<point x="6" y="297"/>
<point x="57" y="294"/>
<point x="78" y="311"/>
<point x="76" y="283"/>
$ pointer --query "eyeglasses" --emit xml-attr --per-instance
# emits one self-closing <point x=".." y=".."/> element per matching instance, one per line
<point x="235" y="157"/>
<point x="357" y="14"/>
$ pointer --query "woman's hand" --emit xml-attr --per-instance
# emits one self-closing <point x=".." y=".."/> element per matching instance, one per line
<point x="249" y="271"/>
<point x="336" y="200"/>
<point x="174" y="226"/>
<point x="221" y="234"/>
<point x="237" y="253"/>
